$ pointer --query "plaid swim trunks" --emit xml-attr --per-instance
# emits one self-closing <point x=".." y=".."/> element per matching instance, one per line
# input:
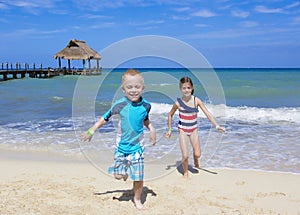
<point x="134" y="163"/>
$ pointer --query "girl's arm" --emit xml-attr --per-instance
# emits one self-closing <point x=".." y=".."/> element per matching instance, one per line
<point x="152" y="130"/>
<point x="170" y="116"/>
<point x="89" y="134"/>
<point x="209" y="115"/>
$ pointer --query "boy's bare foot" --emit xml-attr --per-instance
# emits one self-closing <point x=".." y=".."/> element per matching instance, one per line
<point x="119" y="177"/>
<point x="138" y="204"/>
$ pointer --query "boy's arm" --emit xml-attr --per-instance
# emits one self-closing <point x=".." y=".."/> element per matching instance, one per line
<point x="152" y="130"/>
<point x="89" y="134"/>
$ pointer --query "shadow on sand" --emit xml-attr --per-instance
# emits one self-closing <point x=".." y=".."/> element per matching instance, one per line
<point x="127" y="195"/>
<point x="191" y="169"/>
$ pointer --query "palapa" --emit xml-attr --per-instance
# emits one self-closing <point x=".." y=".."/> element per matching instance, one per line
<point x="78" y="50"/>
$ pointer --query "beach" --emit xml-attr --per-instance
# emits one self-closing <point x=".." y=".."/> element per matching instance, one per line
<point x="253" y="168"/>
<point x="45" y="183"/>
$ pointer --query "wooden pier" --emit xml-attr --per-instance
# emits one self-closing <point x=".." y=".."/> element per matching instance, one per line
<point x="15" y="74"/>
<point x="7" y="74"/>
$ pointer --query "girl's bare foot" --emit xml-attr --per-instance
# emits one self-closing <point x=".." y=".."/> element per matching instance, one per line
<point x="138" y="204"/>
<point x="196" y="163"/>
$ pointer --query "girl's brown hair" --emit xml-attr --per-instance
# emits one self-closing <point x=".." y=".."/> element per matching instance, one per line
<point x="186" y="80"/>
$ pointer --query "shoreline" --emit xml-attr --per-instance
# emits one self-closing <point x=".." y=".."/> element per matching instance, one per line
<point x="80" y="157"/>
<point x="46" y="183"/>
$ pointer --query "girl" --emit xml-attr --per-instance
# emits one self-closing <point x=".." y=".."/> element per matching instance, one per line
<point x="187" y="125"/>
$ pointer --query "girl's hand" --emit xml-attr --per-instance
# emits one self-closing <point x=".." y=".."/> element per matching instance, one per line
<point x="220" y="129"/>
<point x="168" y="134"/>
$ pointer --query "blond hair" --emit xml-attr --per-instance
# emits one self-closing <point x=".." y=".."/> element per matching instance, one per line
<point x="132" y="72"/>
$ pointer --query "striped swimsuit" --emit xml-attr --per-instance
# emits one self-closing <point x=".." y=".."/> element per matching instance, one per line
<point x="187" y="117"/>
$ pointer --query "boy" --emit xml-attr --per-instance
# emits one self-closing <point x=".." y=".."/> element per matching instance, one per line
<point x="134" y="114"/>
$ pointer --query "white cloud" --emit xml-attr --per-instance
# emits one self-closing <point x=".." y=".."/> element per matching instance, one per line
<point x="204" y="13"/>
<point x="284" y="9"/>
<point x="32" y="31"/>
<point x="201" y="25"/>
<point x="182" y="9"/>
<point x="263" y="9"/>
<point x="249" y="24"/>
<point x="149" y="22"/>
<point x="238" y="33"/>
<point x="32" y="3"/>
<point x="240" y="14"/>
<point x="2" y="6"/>
<point x="103" y="25"/>
<point x="34" y="7"/>
<point x="26" y="4"/>
<point x="93" y="16"/>
<point x="295" y="4"/>
<point x="296" y="21"/>
<point x="180" y="18"/>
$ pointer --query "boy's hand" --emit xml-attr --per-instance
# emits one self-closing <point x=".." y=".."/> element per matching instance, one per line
<point x="153" y="136"/>
<point x="86" y="137"/>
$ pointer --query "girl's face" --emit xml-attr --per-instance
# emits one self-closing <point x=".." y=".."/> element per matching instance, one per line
<point x="186" y="89"/>
<point x="133" y="87"/>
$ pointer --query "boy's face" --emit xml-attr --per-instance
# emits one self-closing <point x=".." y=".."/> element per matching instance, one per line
<point x="133" y="87"/>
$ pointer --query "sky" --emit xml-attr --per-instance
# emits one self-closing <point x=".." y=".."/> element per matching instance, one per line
<point x="228" y="33"/>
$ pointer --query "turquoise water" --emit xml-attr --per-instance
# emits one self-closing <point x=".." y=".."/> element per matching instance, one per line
<point x="261" y="112"/>
<point x="261" y="87"/>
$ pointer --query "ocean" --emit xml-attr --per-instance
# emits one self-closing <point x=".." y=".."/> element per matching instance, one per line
<point x="260" y="109"/>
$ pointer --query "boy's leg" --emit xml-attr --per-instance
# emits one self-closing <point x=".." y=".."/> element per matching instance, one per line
<point x="183" y="140"/>
<point x="137" y="175"/>
<point x="123" y="167"/>
<point x="119" y="176"/>
<point x="120" y="166"/>
<point x="195" y="141"/>
<point x="138" y="188"/>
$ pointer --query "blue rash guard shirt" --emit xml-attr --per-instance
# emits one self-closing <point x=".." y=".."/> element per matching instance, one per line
<point x="132" y="116"/>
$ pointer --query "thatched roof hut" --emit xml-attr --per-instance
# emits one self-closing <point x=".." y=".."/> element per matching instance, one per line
<point x="78" y="50"/>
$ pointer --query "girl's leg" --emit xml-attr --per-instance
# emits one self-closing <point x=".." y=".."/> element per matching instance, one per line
<point x="183" y="140"/>
<point x="195" y="141"/>
<point x="138" y="188"/>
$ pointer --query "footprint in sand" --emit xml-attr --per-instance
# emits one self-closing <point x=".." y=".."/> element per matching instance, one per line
<point x="262" y="195"/>
<point x="240" y="183"/>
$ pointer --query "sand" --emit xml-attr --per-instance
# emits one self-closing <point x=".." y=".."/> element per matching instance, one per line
<point x="43" y="183"/>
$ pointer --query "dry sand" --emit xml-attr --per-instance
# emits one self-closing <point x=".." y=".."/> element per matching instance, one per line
<point x="46" y="184"/>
